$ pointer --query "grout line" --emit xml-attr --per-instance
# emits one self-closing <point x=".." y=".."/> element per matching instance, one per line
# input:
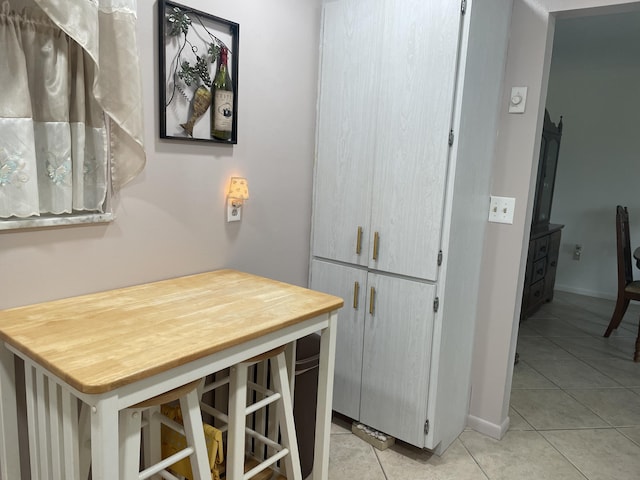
<point x="543" y="376"/>
<point x="564" y="456"/>
<point x="523" y="418"/>
<point x="375" y="452"/>
<point x="596" y="368"/>
<point x="565" y="429"/>
<point x="627" y="436"/>
<point x="594" y="412"/>
<point x="474" y="458"/>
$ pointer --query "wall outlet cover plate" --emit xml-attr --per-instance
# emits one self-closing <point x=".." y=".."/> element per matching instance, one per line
<point x="234" y="214"/>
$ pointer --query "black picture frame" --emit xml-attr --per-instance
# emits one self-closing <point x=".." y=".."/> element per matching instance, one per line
<point x="184" y="34"/>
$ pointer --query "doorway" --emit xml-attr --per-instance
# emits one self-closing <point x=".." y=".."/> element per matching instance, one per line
<point x="594" y="67"/>
<point x="517" y="149"/>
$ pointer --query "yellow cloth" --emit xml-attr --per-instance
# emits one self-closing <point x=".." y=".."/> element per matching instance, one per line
<point x="173" y="442"/>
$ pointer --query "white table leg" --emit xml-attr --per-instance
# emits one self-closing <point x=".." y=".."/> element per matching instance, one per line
<point x="104" y="439"/>
<point x="9" y="449"/>
<point x="325" y="399"/>
<point x="290" y="355"/>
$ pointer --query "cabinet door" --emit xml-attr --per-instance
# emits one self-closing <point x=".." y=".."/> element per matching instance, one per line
<point x="350" y="284"/>
<point x="397" y="357"/>
<point x="415" y="115"/>
<point x="345" y="140"/>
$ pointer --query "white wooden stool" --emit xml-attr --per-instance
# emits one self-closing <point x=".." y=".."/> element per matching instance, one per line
<point x="131" y="425"/>
<point x="285" y="448"/>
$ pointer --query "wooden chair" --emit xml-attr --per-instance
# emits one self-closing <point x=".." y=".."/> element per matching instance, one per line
<point x="628" y="289"/>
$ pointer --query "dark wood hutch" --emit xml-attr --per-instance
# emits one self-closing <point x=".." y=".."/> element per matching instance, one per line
<point x="544" y="242"/>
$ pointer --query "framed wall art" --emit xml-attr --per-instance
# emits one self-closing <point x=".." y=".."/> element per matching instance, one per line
<point x="198" y="60"/>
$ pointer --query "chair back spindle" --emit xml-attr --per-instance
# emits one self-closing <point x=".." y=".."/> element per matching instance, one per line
<point x="625" y="268"/>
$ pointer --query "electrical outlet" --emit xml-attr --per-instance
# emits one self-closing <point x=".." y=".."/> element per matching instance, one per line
<point x="577" y="253"/>
<point x="234" y="214"/>
<point x="501" y="209"/>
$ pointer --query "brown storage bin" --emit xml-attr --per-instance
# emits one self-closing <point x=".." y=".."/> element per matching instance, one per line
<point x="305" y="398"/>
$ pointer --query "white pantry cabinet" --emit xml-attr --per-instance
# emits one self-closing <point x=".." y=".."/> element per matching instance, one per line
<point x="407" y="115"/>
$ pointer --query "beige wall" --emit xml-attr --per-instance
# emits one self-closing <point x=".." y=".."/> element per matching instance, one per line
<point x="528" y="59"/>
<point x="171" y="219"/>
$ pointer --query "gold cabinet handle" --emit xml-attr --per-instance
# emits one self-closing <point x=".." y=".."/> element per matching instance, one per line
<point x="359" y="241"/>
<point x="372" y="300"/>
<point x="356" y="293"/>
<point x="376" y="245"/>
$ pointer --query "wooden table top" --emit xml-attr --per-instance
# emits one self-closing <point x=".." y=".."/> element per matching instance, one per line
<point x="101" y="341"/>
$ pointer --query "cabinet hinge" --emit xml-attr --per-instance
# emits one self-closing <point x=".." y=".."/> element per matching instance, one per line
<point x="440" y="258"/>
<point x="426" y="427"/>
<point x="436" y="304"/>
<point x="463" y="7"/>
<point x="451" y="137"/>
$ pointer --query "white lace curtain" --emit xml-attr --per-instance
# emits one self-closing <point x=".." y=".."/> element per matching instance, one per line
<point x="66" y="70"/>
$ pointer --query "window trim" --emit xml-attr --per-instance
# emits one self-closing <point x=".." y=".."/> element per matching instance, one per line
<point x="56" y="220"/>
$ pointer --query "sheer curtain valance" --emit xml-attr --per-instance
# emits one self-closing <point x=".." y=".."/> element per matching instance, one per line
<point x="70" y="105"/>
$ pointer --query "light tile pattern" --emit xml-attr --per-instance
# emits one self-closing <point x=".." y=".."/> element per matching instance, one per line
<point x="575" y="410"/>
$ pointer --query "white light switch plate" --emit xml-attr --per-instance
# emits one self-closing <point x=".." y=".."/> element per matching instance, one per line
<point x="501" y="209"/>
<point x="518" y="100"/>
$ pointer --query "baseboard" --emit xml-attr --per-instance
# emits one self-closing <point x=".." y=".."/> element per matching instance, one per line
<point x="492" y="430"/>
<point x="582" y="291"/>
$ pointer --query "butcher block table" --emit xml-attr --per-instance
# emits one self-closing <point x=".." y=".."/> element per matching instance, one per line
<point x="117" y="348"/>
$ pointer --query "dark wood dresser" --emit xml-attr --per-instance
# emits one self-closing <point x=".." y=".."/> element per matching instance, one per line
<point x="542" y="262"/>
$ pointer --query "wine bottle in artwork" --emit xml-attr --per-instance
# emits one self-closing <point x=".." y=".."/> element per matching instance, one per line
<point x="222" y="111"/>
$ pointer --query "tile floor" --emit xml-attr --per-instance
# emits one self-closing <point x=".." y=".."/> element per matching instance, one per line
<point x="575" y="410"/>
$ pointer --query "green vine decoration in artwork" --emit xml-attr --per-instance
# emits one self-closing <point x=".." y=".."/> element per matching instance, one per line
<point x="191" y="73"/>
<point x="179" y="22"/>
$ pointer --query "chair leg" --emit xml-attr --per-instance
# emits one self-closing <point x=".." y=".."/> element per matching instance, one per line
<point x="84" y="439"/>
<point x="192" y="419"/>
<point x="636" y="355"/>
<point x="237" y="420"/>
<point x="621" y="307"/>
<point x="285" y="416"/>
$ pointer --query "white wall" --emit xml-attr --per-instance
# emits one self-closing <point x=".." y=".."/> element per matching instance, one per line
<point x="171" y="219"/>
<point x="477" y="114"/>
<point x="595" y="70"/>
